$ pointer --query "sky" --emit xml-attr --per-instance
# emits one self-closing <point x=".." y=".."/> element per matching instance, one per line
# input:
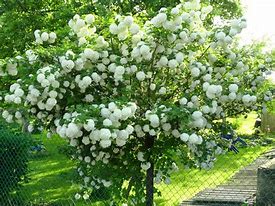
<point x="260" y="15"/>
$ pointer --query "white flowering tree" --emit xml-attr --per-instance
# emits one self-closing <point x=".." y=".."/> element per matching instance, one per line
<point x="135" y="95"/>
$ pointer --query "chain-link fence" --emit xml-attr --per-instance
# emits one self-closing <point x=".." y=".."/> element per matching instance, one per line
<point x="38" y="171"/>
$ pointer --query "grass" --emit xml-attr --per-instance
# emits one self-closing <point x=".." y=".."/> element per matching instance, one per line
<point x="51" y="174"/>
<point x="186" y="183"/>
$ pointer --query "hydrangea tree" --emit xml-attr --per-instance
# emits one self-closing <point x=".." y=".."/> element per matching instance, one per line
<point x="135" y="95"/>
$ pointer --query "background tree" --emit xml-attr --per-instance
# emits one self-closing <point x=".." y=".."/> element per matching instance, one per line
<point x="18" y="18"/>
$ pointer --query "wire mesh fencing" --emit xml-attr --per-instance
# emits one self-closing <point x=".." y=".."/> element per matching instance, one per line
<point x="37" y="171"/>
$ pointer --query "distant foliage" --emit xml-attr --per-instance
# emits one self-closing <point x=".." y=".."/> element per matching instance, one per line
<point x="19" y="18"/>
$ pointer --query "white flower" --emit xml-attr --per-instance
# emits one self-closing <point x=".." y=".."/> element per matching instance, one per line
<point x="233" y="88"/>
<point x="134" y="29"/>
<point x="197" y="115"/>
<point x="140" y="75"/>
<point x="87" y="159"/>
<point x="89" y="98"/>
<point x="183" y="101"/>
<point x="126" y="112"/>
<point x="152" y="87"/>
<point x="117" y="114"/>
<point x="205" y="109"/>
<point x="183" y="35"/>
<point x="96" y="77"/>
<point x="176" y="133"/>
<point x="146" y="128"/>
<point x="113" y="28"/>
<point x="163" y="61"/>
<point x="195" y="72"/>
<point x="145" y="166"/>
<point x="45" y="36"/>
<point x="184" y="137"/>
<point x="128" y="20"/>
<point x="106" y="183"/>
<point x="232" y="96"/>
<point x="112" y="106"/>
<point x="193" y="138"/>
<point x="86" y="196"/>
<point x="207" y="77"/>
<point x="12" y="69"/>
<point x="144" y="50"/>
<point x="166" y="127"/>
<point x="30" y="128"/>
<point x="175" y="11"/>
<point x="246" y="98"/>
<point x="105" y="143"/>
<point x="107" y="122"/>
<point x="220" y="36"/>
<point x="140" y="156"/>
<point x="52" y="35"/>
<point x="77" y="196"/>
<point x="82" y="41"/>
<point x="120" y="142"/>
<point x="17" y="115"/>
<point x="90" y="19"/>
<point x="86" y="140"/>
<point x="162" y="17"/>
<point x="72" y="131"/>
<point x="87" y="80"/>
<point x="173" y="63"/>
<point x="179" y="57"/>
<point x="51" y="102"/>
<point x="37" y="34"/>
<point x="162" y="90"/>
<point x="154" y="120"/>
<point x="91" y="54"/>
<point x="123" y="134"/>
<point x="19" y="92"/>
<point x="253" y="98"/>
<point x="105" y="112"/>
<point x="105" y="134"/>
<point x="130" y="129"/>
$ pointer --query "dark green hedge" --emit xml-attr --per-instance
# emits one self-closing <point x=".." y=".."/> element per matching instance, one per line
<point x="14" y="152"/>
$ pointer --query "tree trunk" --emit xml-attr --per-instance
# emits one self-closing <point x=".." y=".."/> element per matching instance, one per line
<point x="150" y="185"/>
<point x="149" y="143"/>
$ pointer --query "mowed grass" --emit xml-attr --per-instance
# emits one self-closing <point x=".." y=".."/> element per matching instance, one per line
<point x="51" y="175"/>
<point x="186" y="183"/>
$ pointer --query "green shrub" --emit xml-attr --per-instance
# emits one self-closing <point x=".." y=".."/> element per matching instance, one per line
<point x="14" y="151"/>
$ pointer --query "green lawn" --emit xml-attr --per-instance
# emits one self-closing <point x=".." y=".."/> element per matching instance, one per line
<point x="51" y="174"/>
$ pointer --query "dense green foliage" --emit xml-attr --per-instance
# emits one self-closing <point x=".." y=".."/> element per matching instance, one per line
<point x="20" y="18"/>
<point x="14" y="150"/>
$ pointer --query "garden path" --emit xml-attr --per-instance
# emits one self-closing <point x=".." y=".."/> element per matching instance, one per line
<point x="241" y="188"/>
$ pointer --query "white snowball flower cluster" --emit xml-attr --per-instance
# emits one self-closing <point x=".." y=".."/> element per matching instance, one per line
<point x="213" y="91"/>
<point x="83" y="27"/>
<point x="125" y="26"/>
<point x="11" y="69"/>
<point x="40" y="38"/>
<point x="31" y="56"/>
<point x="17" y="94"/>
<point x="199" y="120"/>
<point x="248" y="99"/>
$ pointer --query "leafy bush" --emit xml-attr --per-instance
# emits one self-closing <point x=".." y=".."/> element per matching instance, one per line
<point x="14" y="149"/>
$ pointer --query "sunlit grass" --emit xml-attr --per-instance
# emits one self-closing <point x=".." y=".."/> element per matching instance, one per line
<point x="186" y="183"/>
